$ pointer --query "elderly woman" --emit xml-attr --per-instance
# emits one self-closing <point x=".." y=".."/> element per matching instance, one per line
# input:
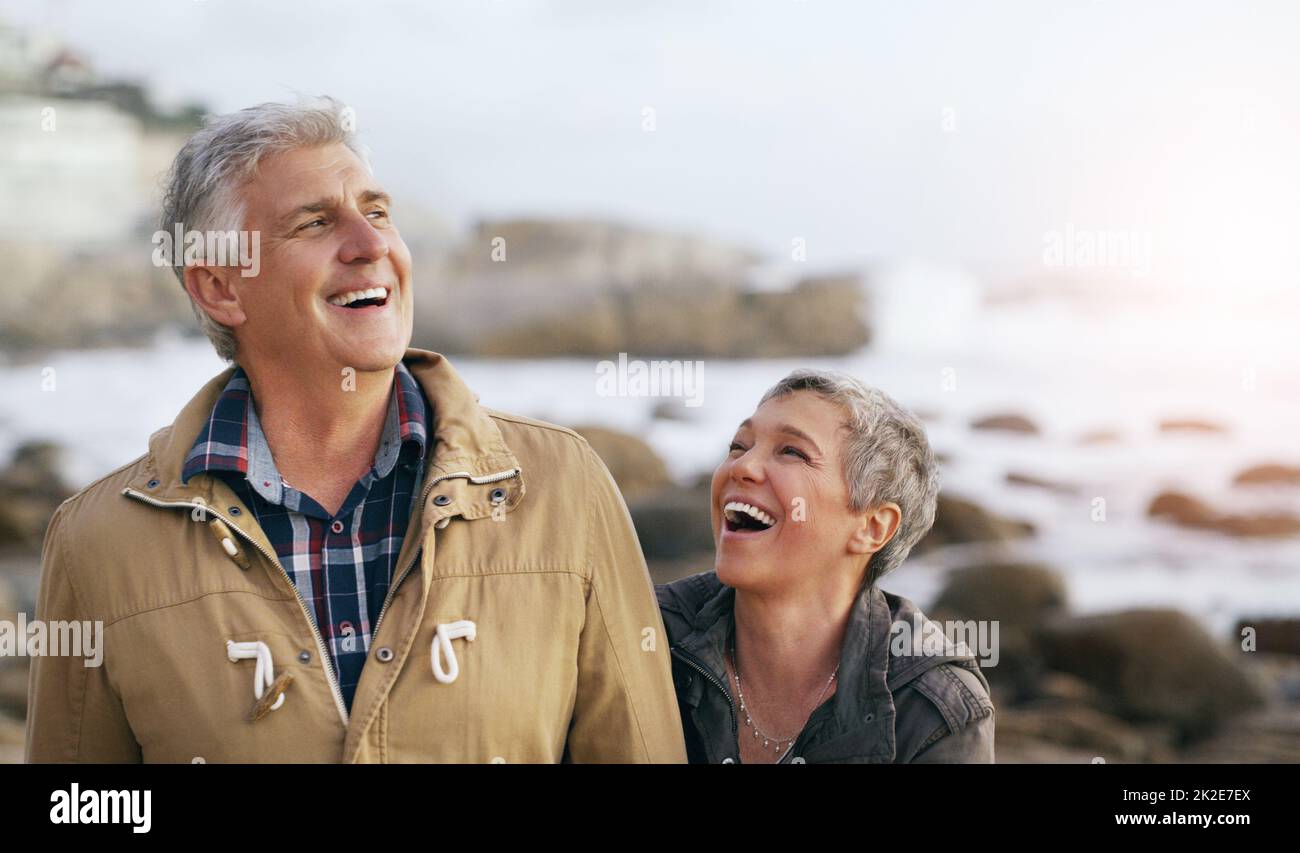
<point x="785" y="653"/>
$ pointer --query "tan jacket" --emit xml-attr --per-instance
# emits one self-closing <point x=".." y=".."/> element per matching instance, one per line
<point x="569" y="660"/>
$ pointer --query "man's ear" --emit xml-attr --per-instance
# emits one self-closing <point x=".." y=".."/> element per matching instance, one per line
<point x="877" y="526"/>
<point x="213" y="290"/>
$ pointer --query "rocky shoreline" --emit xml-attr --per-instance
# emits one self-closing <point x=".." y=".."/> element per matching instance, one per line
<point x="1137" y="685"/>
<point x="517" y="288"/>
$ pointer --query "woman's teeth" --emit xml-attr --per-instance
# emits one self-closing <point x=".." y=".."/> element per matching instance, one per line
<point x="344" y="299"/>
<point x="750" y="517"/>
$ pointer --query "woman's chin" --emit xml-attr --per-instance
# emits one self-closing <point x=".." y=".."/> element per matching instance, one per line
<point x="736" y="574"/>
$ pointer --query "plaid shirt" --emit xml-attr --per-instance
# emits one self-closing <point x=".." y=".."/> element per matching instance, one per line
<point x="341" y="564"/>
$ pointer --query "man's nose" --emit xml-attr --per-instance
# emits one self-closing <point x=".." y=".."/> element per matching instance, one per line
<point x="362" y="241"/>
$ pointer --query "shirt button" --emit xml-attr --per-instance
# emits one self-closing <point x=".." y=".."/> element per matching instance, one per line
<point x="384" y="655"/>
<point x="337" y="527"/>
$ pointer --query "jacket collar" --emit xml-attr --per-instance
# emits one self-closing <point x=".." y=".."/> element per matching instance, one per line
<point x="466" y="441"/>
<point x="857" y="723"/>
<point x="232" y="439"/>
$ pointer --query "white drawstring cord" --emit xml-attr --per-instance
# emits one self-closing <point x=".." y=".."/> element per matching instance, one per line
<point x="264" y="675"/>
<point x="448" y="631"/>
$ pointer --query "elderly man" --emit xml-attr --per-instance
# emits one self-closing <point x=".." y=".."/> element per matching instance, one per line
<point x="335" y="553"/>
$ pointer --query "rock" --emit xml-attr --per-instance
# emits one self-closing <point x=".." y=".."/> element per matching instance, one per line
<point x="1187" y="511"/>
<point x="958" y="521"/>
<point x="1274" y="524"/>
<point x="1269" y="475"/>
<point x="31" y="488"/>
<point x="1016" y="479"/>
<point x="670" y="410"/>
<point x="1192" y="425"/>
<point x="557" y="287"/>
<point x="636" y="468"/>
<point x="13" y="739"/>
<point x="1006" y="423"/>
<point x="1151" y="665"/>
<point x="13" y="688"/>
<point x="1019" y="597"/>
<point x="1271" y="636"/>
<point x="1264" y="736"/>
<point x="674" y="523"/>
<point x="1182" y="509"/>
<point x="1059" y="688"/>
<point x="659" y="321"/>
<point x="1081" y="728"/>
<point x="1100" y="436"/>
<point x="112" y="296"/>
<point x="1016" y="594"/>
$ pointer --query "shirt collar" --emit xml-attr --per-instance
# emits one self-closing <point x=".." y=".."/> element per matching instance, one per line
<point x="232" y="439"/>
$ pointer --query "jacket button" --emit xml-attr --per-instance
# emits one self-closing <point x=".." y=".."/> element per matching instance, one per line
<point x="304" y="656"/>
<point x="870" y="717"/>
<point x="498" y="495"/>
<point x="384" y="655"/>
<point x="153" y="484"/>
<point x="234" y="510"/>
<point x="728" y="760"/>
<point x="337" y="527"/>
<point x="442" y="500"/>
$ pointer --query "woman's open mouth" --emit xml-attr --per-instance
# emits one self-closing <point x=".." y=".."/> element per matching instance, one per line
<point x="740" y="517"/>
<point x="371" y="297"/>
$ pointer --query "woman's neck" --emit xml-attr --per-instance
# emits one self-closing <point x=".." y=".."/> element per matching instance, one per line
<point x="787" y="646"/>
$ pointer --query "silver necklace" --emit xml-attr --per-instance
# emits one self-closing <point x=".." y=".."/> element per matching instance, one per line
<point x="749" y="721"/>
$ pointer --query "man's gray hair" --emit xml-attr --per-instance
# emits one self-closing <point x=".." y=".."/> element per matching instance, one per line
<point x="887" y="457"/>
<point x="203" y="186"/>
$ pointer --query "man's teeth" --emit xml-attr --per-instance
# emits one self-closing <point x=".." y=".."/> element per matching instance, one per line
<point x="344" y="299"/>
<point x="734" y="508"/>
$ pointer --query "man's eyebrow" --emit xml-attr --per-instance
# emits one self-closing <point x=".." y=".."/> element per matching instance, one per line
<point x="317" y="206"/>
<point x="788" y="429"/>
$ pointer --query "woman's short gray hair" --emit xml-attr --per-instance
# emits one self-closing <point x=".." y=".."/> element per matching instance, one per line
<point x="203" y="185"/>
<point x="887" y="457"/>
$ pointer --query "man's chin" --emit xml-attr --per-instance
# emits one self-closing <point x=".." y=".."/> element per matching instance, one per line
<point x="371" y="355"/>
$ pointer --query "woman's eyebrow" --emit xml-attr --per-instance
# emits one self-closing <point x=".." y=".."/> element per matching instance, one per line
<point x="798" y="433"/>
<point x="788" y="429"/>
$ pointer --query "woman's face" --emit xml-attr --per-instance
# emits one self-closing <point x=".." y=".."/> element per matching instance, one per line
<point x="786" y="461"/>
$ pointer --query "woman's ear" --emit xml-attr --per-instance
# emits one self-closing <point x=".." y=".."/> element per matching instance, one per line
<point x="878" y="525"/>
<point x="213" y="290"/>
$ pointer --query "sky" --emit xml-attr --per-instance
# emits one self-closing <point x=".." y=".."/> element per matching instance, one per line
<point x="955" y="132"/>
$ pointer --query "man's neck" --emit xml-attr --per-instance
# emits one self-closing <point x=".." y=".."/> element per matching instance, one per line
<point x="323" y="430"/>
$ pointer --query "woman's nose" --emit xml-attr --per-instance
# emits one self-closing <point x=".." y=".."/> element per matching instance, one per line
<point x="747" y="467"/>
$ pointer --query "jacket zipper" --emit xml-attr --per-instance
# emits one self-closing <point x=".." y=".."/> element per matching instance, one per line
<point x="321" y="648"/>
<point x="695" y="664"/>
<point x="424" y="496"/>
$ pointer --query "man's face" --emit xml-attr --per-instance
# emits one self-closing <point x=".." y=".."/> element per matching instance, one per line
<point x="325" y="232"/>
